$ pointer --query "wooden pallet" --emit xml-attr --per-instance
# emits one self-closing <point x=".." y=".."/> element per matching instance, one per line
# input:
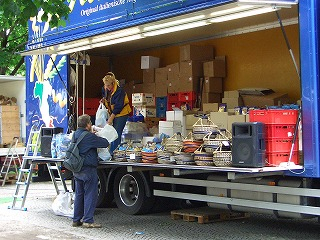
<point x="207" y="215"/>
<point x="11" y="179"/>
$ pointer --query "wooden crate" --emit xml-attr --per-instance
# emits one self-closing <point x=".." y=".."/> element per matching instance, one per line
<point x="9" y="123"/>
<point x="207" y="215"/>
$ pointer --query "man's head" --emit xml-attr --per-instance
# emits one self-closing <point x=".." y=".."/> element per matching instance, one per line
<point x="84" y="121"/>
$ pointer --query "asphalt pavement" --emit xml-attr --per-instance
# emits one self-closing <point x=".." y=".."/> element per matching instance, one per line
<point x="39" y="222"/>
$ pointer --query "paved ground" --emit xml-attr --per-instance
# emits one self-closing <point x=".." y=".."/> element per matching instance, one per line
<point x="39" y="222"/>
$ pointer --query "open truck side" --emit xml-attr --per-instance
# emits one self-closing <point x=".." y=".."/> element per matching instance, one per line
<point x="137" y="188"/>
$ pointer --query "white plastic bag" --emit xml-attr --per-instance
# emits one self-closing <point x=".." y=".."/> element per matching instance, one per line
<point x="101" y="116"/>
<point x="108" y="132"/>
<point x="63" y="204"/>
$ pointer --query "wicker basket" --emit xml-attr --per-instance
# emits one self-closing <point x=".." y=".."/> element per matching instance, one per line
<point x="133" y="151"/>
<point x="165" y="157"/>
<point x="149" y="153"/>
<point x="222" y="158"/>
<point x="119" y="154"/>
<point x="174" y="143"/>
<point x="184" y="158"/>
<point x="212" y="142"/>
<point x="190" y="144"/>
<point x="200" y="130"/>
<point x="203" y="158"/>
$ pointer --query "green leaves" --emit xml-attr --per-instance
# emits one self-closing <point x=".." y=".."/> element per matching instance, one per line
<point x="14" y="17"/>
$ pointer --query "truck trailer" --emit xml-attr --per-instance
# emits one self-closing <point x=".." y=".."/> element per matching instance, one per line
<point x="268" y="43"/>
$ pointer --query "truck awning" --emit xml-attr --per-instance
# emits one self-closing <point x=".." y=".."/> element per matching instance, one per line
<point x="144" y="31"/>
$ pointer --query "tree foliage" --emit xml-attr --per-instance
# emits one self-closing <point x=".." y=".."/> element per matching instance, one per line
<point x="14" y="17"/>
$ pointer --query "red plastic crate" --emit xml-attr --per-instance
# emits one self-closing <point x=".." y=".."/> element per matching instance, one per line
<point x="274" y="159"/>
<point x="281" y="145"/>
<point x="173" y="97"/>
<point x="173" y="104"/>
<point x="279" y="131"/>
<point x="90" y="106"/>
<point x="274" y="116"/>
<point x="186" y="96"/>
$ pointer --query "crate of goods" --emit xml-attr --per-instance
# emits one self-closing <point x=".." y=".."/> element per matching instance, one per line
<point x="172" y="105"/>
<point x="186" y="96"/>
<point x="161" y="106"/>
<point x="147" y="99"/>
<point x="90" y="105"/>
<point x="9" y="123"/>
<point x="173" y="97"/>
<point x="280" y="125"/>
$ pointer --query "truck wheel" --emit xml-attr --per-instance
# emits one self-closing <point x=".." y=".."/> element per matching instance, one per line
<point x="104" y="199"/>
<point x="130" y="193"/>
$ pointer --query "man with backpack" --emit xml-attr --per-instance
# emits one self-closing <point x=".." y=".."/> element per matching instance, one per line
<point x="86" y="180"/>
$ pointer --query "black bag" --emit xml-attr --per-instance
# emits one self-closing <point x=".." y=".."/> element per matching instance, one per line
<point x="73" y="161"/>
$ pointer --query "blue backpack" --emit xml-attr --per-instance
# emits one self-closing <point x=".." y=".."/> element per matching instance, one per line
<point x="73" y="161"/>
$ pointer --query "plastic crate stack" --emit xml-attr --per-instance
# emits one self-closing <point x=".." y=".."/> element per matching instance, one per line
<point x="280" y="127"/>
<point x="90" y="106"/>
<point x="182" y="100"/>
<point x="161" y="106"/>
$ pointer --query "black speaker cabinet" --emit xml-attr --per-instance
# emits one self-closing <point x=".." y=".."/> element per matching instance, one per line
<point x="46" y="137"/>
<point x="248" y="144"/>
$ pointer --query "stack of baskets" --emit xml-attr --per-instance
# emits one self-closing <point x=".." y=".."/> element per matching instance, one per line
<point x="184" y="158"/>
<point x="203" y="158"/>
<point x="202" y="127"/>
<point x="149" y="153"/>
<point x="174" y="143"/>
<point x="164" y="156"/>
<point x="133" y="151"/>
<point x="190" y="144"/>
<point x="119" y="154"/>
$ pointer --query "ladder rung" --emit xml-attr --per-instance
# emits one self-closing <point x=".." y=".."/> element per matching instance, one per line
<point x="53" y="167"/>
<point x="58" y="179"/>
<point x="18" y="196"/>
<point x="24" y="170"/>
<point x="21" y="183"/>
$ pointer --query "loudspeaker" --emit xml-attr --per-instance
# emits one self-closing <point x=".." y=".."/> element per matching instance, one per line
<point x="46" y="138"/>
<point x="248" y="144"/>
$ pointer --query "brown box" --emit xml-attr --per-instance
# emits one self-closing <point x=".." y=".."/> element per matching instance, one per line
<point x="191" y="68"/>
<point x="211" y="98"/>
<point x="213" y="85"/>
<point x="210" y="107"/>
<point x="273" y="99"/>
<point x="232" y="102"/>
<point x="149" y="88"/>
<point x="137" y="88"/>
<point x="173" y="72"/>
<point x="161" y="75"/>
<point x="173" y="87"/>
<point x="188" y="83"/>
<point x="148" y="75"/>
<point x="194" y="52"/>
<point x="214" y="68"/>
<point x="231" y="94"/>
<point x="161" y="89"/>
<point x="9" y="123"/>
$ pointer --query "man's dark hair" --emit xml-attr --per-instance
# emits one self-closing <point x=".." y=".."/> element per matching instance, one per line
<point x="83" y="120"/>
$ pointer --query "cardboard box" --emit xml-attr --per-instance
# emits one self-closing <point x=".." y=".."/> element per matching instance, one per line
<point x="169" y="130"/>
<point x="149" y="88"/>
<point x="214" y="68"/>
<point x="173" y="87"/>
<point x="213" y="85"/>
<point x="191" y="68"/>
<point x="211" y="98"/>
<point x="194" y="52"/>
<point x="147" y="99"/>
<point x="190" y="120"/>
<point x="210" y="107"/>
<point x="235" y="118"/>
<point x="137" y="88"/>
<point x="188" y="83"/>
<point x="161" y="81"/>
<point x="170" y="124"/>
<point x="273" y="99"/>
<point x="173" y="72"/>
<point x="231" y="94"/>
<point x="148" y="75"/>
<point x="220" y="119"/>
<point x="232" y="102"/>
<point x="148" y="62"/>
<point x="144" y="111"/>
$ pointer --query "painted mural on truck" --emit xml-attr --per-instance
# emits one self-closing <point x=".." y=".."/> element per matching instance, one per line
<point x="46" y="87"/>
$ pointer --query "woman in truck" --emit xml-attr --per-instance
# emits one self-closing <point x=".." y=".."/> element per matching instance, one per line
<point x="117" y="102"/>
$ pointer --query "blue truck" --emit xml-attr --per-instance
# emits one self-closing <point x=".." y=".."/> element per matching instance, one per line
<point x="104" y="28"/>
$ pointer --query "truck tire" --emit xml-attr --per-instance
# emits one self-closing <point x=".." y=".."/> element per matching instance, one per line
<point x="104" y="198"/>
<point x="130" y="193"/>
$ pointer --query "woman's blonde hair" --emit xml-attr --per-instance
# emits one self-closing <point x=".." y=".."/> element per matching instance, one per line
<point x="109" y="79"/>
